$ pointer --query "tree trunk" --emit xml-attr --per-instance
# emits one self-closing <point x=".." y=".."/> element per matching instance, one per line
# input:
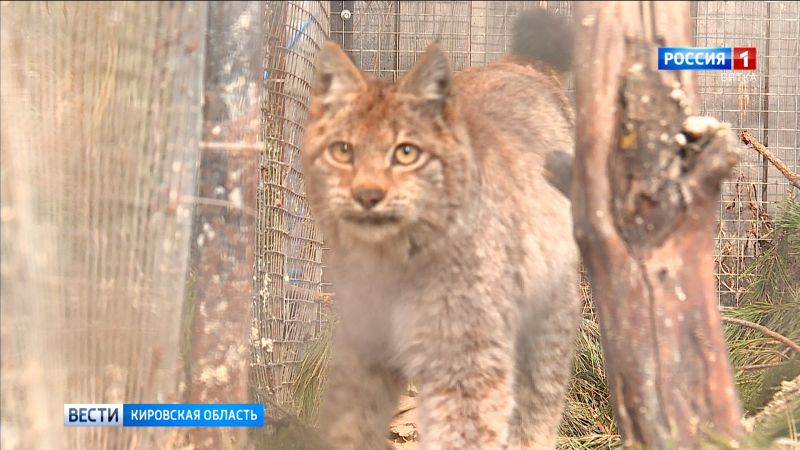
<point x="224" y="237"/>
<point x="647" y="183"/>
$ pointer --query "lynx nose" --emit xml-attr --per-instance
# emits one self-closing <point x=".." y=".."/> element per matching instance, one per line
<point x="368" y="198"/>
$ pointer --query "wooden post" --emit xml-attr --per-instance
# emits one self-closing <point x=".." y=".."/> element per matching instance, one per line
<point x="647" y="182"/>
<point x="223" y="239"/>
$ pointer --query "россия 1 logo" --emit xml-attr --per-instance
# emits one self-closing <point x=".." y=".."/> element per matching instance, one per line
<point x="716" y="58"/>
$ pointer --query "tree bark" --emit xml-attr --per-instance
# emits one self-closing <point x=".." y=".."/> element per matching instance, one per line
<point x="223" y="241"/>
<point x="647" y="182"/>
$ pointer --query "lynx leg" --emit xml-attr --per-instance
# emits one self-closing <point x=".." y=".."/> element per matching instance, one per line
<point x="468" y="406"/>
<point x="543" y="361"/>
<point x="359" y="402"/>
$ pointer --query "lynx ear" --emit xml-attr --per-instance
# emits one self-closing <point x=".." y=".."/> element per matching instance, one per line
<point x="429" y="79"/>
<point x="336" y="75"/>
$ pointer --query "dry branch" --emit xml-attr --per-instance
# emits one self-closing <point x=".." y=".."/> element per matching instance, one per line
<point x="647" y="179"/>
<point x="749" y="139"/>
<point x="765" y="331"/>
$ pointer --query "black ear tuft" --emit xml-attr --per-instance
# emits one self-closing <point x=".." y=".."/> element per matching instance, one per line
<point x="430" y="78"/>
<point x="336" y="75"/>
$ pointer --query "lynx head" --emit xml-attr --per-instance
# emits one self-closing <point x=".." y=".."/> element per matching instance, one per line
<point x="383" y="160"/>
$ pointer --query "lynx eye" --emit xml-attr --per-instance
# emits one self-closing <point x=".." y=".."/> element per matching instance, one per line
<point x="341" y="152"/>
<point x="406" y="154"/>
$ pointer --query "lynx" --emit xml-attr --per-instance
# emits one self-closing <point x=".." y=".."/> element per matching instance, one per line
<point x="452" y="255"/>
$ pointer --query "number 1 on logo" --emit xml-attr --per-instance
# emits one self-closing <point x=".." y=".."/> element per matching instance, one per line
<point x="742" y="56"/>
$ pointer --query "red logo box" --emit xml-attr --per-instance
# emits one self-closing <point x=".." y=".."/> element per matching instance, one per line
<point x="744" y="58"/>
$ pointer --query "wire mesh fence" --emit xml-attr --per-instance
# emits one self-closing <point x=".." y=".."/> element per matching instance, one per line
<point x="765" y="102"/>
<point x="384" y="38"/>
<point x="100" y="113"/>
<point x="287" y="312"/>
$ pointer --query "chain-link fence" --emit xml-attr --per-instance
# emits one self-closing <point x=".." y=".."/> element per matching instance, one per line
<point x="385" y="37"/>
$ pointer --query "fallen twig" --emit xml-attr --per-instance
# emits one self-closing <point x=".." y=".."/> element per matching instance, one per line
<point x="766" y="331"/>
<point x="793" y="177"/>
<point x="760" y="366"/>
